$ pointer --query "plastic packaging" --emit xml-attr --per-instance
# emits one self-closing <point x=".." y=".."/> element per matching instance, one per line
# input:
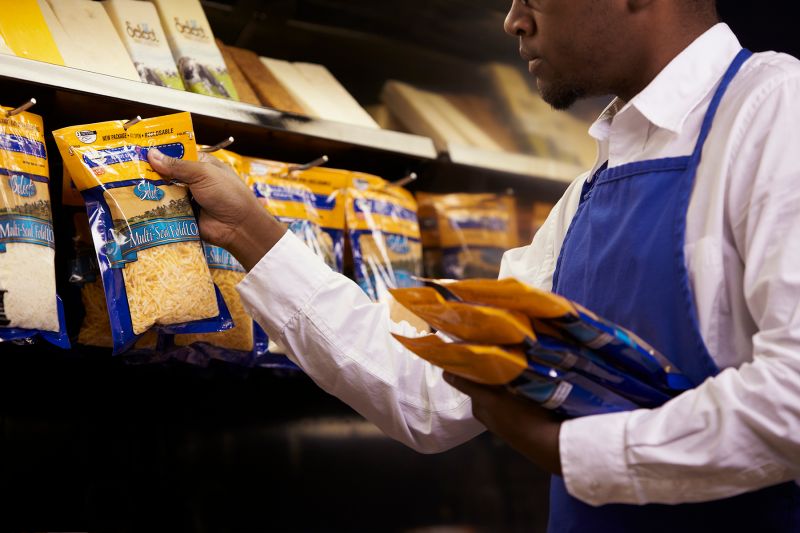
<point x="95" y="329"/>
<point x="473" y="233"/>
<point x="145" y="234"/>
<point x="308" y="202"/>
<point x="384" y="235"/>
<point x="617" y="346"/>
<point x="28" y="301"/>
<point x="29" y="305"/>
<point x="567" y="393"/>
<point x="511" y="329"/>
<point x="226" y="273"/>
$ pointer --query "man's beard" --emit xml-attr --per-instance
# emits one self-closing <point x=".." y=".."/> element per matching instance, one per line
<point x="561" y="96"/>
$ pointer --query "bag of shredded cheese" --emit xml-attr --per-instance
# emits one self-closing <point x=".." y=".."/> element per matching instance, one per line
<point x="615" y="345"/>
<point x="306" y="201"/>
<point x="565" y="392"/>
<point x="95" y="327"/>
<point x="384" y="235"/>
<point x="474" y="231"/>
<point x="226" y="273"/>
<point x="29" y="306"/>
<point x="145" y="234"/>
<point x="513" y="329"/>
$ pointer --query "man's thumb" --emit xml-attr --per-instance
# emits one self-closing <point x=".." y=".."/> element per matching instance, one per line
<point x="171" y="168"/>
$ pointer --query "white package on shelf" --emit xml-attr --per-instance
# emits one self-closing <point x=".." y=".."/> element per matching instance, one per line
<point x="200" y="63"/>
<point x="91" y="41"/>
<point x="343" y="104"/>
<point x="139" y="27"/>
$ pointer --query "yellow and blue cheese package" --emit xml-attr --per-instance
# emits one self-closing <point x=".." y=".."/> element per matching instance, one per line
<point x="384" y="235"/>
<point x="29" y="305"/>
<point x="618" y="347"/>
<point x="308" y="202"/>
<point x="145" y="233"/>
<point x="475" y="323"/>
<point x="474" y="232"/>
<point x="565" y="392"/>
<point x="235" y="344"/>
<point x="84" y="273"/>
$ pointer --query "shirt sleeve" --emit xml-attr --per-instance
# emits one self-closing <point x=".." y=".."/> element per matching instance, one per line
<point x="342" y="340"/>
<point x="740" y="430"/>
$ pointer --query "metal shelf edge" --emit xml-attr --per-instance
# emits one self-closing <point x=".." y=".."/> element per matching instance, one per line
<point x="70" y="79"/>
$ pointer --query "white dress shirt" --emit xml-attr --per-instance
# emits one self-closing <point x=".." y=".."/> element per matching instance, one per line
<point x="738" y="431"/>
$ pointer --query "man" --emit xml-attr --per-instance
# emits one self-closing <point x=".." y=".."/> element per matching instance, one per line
<point x="686" y="231"/>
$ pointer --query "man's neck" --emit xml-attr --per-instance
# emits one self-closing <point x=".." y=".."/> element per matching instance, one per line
<point x="661" y="52"/>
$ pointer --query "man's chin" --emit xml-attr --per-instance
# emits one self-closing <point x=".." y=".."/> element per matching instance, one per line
<point x="559" y="97"/>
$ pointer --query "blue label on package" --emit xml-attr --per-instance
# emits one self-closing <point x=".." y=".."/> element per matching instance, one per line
<point x="25" y="229"/>
<point x="128" y="153"/>
<point x="220" y="259"/>
<point x="122" y="246"/>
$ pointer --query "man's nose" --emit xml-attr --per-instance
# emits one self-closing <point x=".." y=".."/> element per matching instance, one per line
<point x="518" y="23"/>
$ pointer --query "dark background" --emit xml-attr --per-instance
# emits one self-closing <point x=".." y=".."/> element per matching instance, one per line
<point x="88" y="442"/>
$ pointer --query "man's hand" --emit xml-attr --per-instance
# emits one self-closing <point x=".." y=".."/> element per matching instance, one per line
<point x="530" y="429"/>
<point x="230" y="217"/>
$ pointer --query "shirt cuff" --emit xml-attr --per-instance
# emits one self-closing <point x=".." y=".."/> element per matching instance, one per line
<point x="593" y="459"/>
<point x="282" y="283"/>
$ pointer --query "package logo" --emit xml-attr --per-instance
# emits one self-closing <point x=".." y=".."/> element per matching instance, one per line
<point x="147" y="191"/>
<point x="22" y="186"/>
<point x="86" y="136"/>
<point x="141" y="32"/>
<point x="191" y="29"/>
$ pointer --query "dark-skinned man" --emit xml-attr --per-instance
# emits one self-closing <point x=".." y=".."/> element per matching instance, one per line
<point x="686" y="231"/>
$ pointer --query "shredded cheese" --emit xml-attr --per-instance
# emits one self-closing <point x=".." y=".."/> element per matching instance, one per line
<point x="96" y="327"/>
<point x="239" y="337"/>
<point x="169" y="284"/>
<point x="27" y="275"/>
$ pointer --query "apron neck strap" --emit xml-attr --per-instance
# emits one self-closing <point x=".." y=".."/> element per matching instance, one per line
<point x="733" y="69"/>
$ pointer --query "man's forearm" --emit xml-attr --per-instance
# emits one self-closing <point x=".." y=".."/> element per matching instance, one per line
<point x="255" y="237"/>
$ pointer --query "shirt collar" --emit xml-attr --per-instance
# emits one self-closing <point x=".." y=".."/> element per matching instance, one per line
<point x="667" y="101"/>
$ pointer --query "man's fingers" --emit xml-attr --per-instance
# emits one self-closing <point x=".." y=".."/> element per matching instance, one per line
<point x="188" y="172"/>
<point x="470" y="388"/>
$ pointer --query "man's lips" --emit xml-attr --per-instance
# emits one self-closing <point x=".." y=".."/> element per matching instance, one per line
<point x="533" y="60"/>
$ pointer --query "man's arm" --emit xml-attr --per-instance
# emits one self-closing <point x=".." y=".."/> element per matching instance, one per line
<point x="326" y="323"/>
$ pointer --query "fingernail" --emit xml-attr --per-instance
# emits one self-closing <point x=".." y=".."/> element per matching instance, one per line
<point x="156" y="154"/>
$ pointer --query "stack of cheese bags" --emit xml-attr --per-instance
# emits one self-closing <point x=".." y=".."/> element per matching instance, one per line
<point x="540" y="345"/>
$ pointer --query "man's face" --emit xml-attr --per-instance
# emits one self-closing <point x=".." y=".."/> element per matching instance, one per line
<point x="569" y="45"/>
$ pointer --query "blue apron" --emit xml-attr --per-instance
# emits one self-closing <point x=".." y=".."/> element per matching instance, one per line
<point x="623" y="258"/>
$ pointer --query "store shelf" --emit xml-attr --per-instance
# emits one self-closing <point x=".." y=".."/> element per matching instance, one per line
<point x="512" y="163"/>
<point x="20" y="70"/>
